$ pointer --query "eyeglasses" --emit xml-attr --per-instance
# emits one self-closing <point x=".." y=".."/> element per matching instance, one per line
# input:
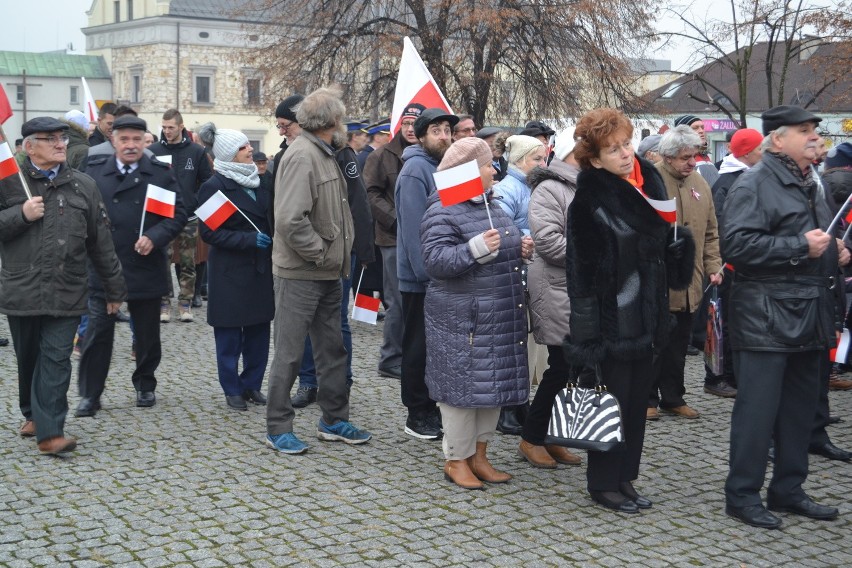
<point x="408" y="123"/>
<point x="466" y="130"/>
<point x="285" y="126"/>
<point x="53" y="140"/>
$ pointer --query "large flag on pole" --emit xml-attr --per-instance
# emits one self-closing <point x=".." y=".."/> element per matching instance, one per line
<point x="216" y="210"/>
<point x="90" y="109"/>
<point x="8" y="165"/>
<point x="458" y="184"/>
<point x="160" y="201"/>
<point x="5" y="107"/>
<point x="414" y="84"/>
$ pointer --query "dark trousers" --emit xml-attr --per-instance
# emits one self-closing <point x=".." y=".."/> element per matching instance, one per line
<point x="415" y="394"/>
<point x="43" y="347"/>
<point x="553" y="380"/>
<point x="252" y="344"/>
<point x="96" y="352"/>
<point x="668" y="389"/>
<point x="776" y="398"/>
<point x="819" y="436"/>
<point x="629" y="382"/>
<point x="727" y="375"/>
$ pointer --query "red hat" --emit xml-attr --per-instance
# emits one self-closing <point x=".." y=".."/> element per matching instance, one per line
<point x="744" y="141"/>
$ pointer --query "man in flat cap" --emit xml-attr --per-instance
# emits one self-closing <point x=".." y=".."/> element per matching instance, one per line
<point x="782" y="318"/>
<point x="45" y="241"/>
<point x="127" y="180"/>
<point x="491" y="134"/>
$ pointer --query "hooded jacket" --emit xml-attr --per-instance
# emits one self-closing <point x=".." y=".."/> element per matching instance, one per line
<point x="729" y="171"/>
<point x="78" y="145"/>
<point x="190" y="166"/>
<point x="413" y="187"/>
<point x="553" y="189"/>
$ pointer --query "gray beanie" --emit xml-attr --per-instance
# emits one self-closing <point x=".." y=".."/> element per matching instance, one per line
<point x="651" y="142"/>
<point x="226" y="143"/>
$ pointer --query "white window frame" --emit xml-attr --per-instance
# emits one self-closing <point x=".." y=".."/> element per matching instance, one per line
<point x="203" y="71"/>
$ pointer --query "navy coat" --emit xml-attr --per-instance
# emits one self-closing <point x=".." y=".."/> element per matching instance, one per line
<point x="239" y="275"/>
<point x="146" y="276"/>
<point x="476" y="314"/>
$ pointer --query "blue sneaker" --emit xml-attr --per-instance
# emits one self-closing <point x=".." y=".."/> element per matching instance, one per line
<point x="286" y="443"/>
<point x="343" y="431"/>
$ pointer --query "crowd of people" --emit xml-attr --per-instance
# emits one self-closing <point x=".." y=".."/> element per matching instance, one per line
<point x="563" y="242"/>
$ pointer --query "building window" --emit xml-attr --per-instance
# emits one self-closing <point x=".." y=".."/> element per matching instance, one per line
<point x="129" y="9"/>
<point x="253" y="92"/>
<point x="74" y="99"/>
<point x="19" y="93"/>
<point x="136" y="88"/>
<point x="116" y="8"/>
<point x="202" y="84"/>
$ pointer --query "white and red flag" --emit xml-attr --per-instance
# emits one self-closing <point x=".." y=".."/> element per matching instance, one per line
<point x="366" y="309"/>
<point x="5" y="107"/>
<point x="90" y="109"/>
<point x="667" y="209"/>
<point x="458" y="184"/>
<point x="216" y="210"/>
<point x="414" y="84"/>
<point x="8" y="165"/>
<point x="160" y="201"/>
<point x="840" y="353"/>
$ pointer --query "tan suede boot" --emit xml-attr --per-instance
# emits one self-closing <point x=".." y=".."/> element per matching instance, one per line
<point x="563" y="456"/>
<point x="482" y="468"/>
<point x="538" y="456"/>
<point x="458" y="471"/>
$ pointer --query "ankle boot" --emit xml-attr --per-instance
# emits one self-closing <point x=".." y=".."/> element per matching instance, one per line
<point x="458" y="471"/>
<point x="482" y="468"/>
<point x="508" y="422"/>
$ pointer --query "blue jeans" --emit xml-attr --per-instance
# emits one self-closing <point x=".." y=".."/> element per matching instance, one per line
<point x="307" y="371"/>
<point x="251" y="343"/>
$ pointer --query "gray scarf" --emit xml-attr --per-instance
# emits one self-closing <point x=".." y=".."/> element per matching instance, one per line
<point x="244" y="174"/>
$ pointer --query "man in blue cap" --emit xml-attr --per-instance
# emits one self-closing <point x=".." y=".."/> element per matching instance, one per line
<point x="378" y="135"/>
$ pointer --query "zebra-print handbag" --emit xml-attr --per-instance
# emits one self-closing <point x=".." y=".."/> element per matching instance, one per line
<point x="586" y="418"/>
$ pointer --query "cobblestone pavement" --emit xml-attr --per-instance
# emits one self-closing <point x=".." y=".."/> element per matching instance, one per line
<point x="190" y="483"/>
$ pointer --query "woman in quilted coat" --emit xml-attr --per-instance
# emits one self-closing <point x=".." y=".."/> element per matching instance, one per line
<point x="476" y="352"/>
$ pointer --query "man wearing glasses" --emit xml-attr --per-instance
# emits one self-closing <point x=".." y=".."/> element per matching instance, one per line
<point x="465" y="128"/>
<point x="288" y="127"/>
<point x="46" y="241"/>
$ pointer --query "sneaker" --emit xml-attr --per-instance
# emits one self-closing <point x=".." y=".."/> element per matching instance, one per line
<point x="422" y="426"/>
<point x="185" y="310"/>
<point x="721" y="388"/>
<point x="286" y="443"/>
<point x="304" y="396"/>
<point x="343" y="431"/>
<point x="165" y="311"/>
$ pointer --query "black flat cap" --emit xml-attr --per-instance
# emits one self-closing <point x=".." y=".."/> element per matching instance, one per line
<point x="42" y="124"/>
<point x="129" y="121"/>
<point x="537" y="128"/>
<point x="431" y="115"/>
<point x="487" y="132"/>
<point x="786" y="115"/>
<point x="259" y="157"/>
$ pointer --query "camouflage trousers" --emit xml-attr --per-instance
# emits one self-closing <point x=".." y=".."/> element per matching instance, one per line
<point x="184" y="246"/>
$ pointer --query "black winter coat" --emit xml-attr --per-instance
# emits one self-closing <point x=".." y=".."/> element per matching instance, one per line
<point x="190" y="166"/>
<point x="362" y="219"/>
<point x="780" y="299"/>
<point x="239" y="275"/>
<point x="618" y="268"/>
<point x="146" y="276"/>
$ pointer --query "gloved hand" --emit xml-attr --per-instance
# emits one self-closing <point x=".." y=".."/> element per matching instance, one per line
<point x="263" y="241"/>
<point x="677" y="248"/>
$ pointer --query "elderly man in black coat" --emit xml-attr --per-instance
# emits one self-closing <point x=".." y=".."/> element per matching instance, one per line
<point x="125" y="179"/>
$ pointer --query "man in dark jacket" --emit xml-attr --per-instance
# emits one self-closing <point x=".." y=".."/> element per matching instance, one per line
<point x="783" y="317"/>
<point x="127" y="181"/>
<point x="46" y="241"/>
<point x="434" y="130"/>
<point x="191" y="168"/>
<point x="103" y="130"/>
<point x="380" y="172"/>
<point x="288" y="127"/>
<point x="379" y="134"/>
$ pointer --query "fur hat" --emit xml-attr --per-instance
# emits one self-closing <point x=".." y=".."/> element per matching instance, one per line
<point x="226" y="143"/>
<point x="520" y="145"/>
<point x="744" y="141"/>
<point x="465" y="150"/>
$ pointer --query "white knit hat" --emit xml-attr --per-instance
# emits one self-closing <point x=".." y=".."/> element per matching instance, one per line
<point x="564" y="144"/>
<point x="77" y="118"/>
<point x="519" y="145"/>
<point x="226" y="143"/>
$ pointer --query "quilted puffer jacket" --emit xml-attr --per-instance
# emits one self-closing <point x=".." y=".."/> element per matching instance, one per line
<point x="476" y="333"/>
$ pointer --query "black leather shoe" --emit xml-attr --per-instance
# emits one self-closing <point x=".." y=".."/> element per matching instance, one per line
<point x="830" y="451"/>
<point x="615" y="501"/>
<point x="304" y="396"/>
<point x="754" y="515"/>
<point x="834" y="419"/>
<point x="394" y="372"/>
<point x="806" y="508"/>
<point x="145" y="398"/>
<point x="87" y="407"/>
<point x="627" y="490"/>
<point x="196" y="301"/>
<point x="236" y="402"/>
<point x="4" y="341"/>
<point x="508" y="422"/>
<point x="254" y="397"/>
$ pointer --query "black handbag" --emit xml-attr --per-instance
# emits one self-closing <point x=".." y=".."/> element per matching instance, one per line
<point x="586" y="418"/>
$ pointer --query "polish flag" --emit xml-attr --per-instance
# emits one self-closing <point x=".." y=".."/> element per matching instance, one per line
<point x="667" y="209"/>
<point x="160" y="201"/>
<point x="5" y="107"/>
<point x="216" y="210"/>
<point x="414" y="84"/>
<point x="458" y="184"/>
<point x="8" y="165"/>
<point x="90" y="109"/>
<point x="366" y="308"/>
<point x="840" y="353"/>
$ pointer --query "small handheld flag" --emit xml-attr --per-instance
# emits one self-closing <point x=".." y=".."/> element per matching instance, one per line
<point x="458" y="184"/>
<point x="216" y="210"/>
<point x="366" y="309"/>
<point x="160" y="201"/>
<point x="840" y="353"/>
<point x="667" y="209"/>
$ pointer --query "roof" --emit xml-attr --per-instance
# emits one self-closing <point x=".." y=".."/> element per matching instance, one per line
<point x="53" y="64"/>
<point x="813" y="82"/>
<point x="215" y="10"/>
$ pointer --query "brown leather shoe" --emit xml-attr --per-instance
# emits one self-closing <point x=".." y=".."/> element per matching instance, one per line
<point x="28" y="429"/>
<point x="482" y="468"/>
<point x="538" y="456"/>
<point x="684" y="411"/>
<point x="57" y="445"/>
<point x="458" y="471"/>
<point x="652" y="414"/>
<point x="563" y="456"/>
<point x="838" y="384"/>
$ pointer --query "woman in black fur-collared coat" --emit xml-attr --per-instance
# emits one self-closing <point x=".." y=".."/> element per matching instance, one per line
<point x="621" y="260"/>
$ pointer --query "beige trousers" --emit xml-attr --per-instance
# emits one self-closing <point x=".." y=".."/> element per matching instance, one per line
<point x="464" y="427"/>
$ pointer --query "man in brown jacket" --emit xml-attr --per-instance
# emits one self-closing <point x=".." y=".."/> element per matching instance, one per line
<point x="695" y="210"/>
<point x="380" y="172"/>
